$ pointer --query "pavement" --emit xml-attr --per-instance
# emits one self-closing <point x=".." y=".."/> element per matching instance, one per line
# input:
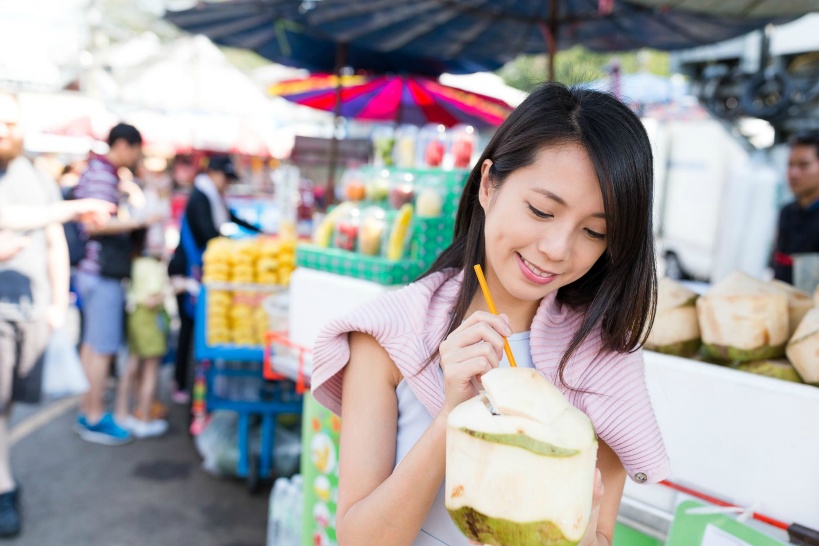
<point x="148" y="493"/>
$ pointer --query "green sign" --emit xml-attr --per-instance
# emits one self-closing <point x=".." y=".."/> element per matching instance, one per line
<point x="319" y="469"/>
<point x="692" y="529"/>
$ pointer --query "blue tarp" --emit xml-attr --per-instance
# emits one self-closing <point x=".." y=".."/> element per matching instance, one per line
<point x="435" y="36"/>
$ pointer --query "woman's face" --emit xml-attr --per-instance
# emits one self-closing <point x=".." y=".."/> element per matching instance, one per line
<point x="545" y="226"/>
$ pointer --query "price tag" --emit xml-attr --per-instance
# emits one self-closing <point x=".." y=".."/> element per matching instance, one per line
<point x="715" y="536"/>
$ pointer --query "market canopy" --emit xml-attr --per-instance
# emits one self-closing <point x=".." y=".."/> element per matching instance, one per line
<point x="742" y="8"/>
<point x="431" y="37"/>
<point x="416" y="100"/>
<point x="490" y="33"/>
<point x="276" y="30"/>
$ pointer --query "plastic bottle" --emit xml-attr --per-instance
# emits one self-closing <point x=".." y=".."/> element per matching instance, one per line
<point x="298" y="508"/>
<point x="276" y="511"/>
<point x="292" y="526"/>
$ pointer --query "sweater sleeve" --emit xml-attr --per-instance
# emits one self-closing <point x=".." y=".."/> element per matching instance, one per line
<point x="618" y="403"/>
<point x="389" y="319"/>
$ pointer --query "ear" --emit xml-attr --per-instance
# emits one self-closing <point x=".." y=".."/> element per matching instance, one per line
<point x="485" y="189"/>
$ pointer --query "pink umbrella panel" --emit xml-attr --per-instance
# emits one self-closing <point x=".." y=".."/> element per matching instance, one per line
<point x="414" y="100"/>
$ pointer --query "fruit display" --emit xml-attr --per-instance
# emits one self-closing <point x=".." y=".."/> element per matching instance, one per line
<point x="803" y="348"/>
<point x="378" y="188"/>
<point x="404" y="151"/>
<point x="765" y="328"/>
<point x="462" y="152"/>
<point x="676" y="330"/>
<point x="742" y="319"/>
<point x="778" y="369"/>
<point x="398" y="233"/>
<point x="401" y="193"/>
<point x="434" y="154"/>
<point x="383" y="139"/>
<point x="218" y="322"/>
<point x="323" y="234"/>
<point x="799" y="303"/>
<point x="523" y="470"/>
<point x="429" y="203"/>
<point x="371" y="231"/>
<point x="346" y="230"/>
<point x="240" y="275"/>
<point x="258" y="260"/>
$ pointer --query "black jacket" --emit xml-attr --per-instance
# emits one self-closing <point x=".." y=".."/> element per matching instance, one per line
<point x="200" y="220"/>
<point x="798" y="232"/>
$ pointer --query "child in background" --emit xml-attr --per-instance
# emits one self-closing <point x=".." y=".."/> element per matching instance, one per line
<point x="148" y="342"/>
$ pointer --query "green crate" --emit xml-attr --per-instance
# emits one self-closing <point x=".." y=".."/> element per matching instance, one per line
<point x="429" y="237"/>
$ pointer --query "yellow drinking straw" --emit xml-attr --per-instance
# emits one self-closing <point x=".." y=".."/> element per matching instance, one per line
<point x="491" y="304"/>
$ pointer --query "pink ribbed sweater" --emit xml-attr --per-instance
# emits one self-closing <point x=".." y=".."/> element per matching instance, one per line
<point x="409" y="323"/>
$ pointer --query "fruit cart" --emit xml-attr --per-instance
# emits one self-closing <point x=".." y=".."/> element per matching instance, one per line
<point x="239" y="277"/>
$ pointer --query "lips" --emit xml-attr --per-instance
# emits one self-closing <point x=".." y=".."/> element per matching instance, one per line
<point x="534" y="273"/>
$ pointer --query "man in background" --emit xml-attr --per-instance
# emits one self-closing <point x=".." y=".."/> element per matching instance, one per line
<point x="799" y="220"/>
<point x="99" y="276"/>
<point x="33" y="296"/>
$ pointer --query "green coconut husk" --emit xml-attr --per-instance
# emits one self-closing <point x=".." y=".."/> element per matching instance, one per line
<point x="502" y="532"/>
<point x="743" y="355"/>
<point x="685" y="349"/>
<point x="777" y="369"/>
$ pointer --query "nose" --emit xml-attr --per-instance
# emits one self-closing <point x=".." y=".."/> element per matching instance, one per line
<point x="556" y="242"/>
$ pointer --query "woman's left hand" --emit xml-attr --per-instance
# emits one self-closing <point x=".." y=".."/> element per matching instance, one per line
<point x="591" y="537"/>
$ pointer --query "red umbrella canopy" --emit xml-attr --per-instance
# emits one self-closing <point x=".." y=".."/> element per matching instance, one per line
<point x="416" y="100"/>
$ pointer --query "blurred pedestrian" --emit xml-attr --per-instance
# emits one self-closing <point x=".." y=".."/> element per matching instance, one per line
<point x="107" y="261"/>
<point x="205" y="214"/>
<point x="798" y="229"/>
<point x="33" y="296"/>
<point x="147" y="329"/>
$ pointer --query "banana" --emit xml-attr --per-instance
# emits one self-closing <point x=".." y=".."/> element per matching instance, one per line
<point x="400" y="226"/>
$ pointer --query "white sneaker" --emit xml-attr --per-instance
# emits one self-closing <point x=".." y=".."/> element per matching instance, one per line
<point x="147" y="429"/>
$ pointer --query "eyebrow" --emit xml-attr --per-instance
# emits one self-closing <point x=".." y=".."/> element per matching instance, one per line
<point x="560" y="201"/>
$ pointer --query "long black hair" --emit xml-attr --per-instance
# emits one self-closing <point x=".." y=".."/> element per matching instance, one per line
<point x="619" y="291"/>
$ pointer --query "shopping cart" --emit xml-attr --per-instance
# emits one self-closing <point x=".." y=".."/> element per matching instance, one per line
<point x="231" y="377"/>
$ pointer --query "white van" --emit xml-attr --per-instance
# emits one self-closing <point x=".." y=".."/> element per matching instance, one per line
<point x="716" y="202"/>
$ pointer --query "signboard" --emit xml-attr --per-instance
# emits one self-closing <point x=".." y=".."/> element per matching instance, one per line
<point x="713" y="530"/>
<point x="319" y="468"/>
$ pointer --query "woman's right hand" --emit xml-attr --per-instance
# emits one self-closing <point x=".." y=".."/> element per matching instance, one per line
<point x="471" y="350"/>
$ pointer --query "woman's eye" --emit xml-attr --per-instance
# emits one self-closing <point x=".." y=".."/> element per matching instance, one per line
<point x="595" y="235"/>
<point x="538" y="213"/>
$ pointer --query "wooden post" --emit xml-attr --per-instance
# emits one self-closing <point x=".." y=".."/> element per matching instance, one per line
<point x="341" y="59"/>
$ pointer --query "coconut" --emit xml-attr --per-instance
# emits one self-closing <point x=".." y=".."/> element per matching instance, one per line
<point x="803" y="348"/>
<point x="799" y="303"/>
<point x="777" y="369"/>
<point x="522" y="472"/>
<point x="742" y="318"/>
<point x="676" y="330"/>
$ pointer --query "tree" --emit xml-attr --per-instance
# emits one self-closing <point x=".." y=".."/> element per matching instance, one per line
<point x="579" y="65"/>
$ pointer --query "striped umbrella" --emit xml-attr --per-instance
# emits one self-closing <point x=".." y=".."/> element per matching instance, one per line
<point x="415" y="100"/>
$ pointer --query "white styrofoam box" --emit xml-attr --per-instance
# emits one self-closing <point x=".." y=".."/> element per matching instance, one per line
<point x="317" y="297"/>
<point x="737" y="436"/>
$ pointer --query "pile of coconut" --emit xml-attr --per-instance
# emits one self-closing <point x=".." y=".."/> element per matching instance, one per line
<point x="769" y="328"/>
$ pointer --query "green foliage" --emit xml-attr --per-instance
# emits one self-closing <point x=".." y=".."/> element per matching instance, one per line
<point x="579" y="65"/>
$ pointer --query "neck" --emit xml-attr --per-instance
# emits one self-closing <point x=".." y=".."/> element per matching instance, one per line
<point x="520" y="313"/>
<point x="807" y="200"/>
<point x="112" y="159"/>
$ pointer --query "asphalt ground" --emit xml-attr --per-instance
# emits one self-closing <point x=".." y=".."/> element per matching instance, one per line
<point x="147" y="493"/>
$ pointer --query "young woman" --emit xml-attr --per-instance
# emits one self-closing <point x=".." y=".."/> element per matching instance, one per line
<point x="558" y="212"/>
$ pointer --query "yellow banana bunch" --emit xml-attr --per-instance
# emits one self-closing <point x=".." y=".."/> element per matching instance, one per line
<point x="398" y="234"/>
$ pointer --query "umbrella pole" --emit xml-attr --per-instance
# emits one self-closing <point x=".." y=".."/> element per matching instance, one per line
<point x="550" y="36"/>
<point x="341" y="59"/>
